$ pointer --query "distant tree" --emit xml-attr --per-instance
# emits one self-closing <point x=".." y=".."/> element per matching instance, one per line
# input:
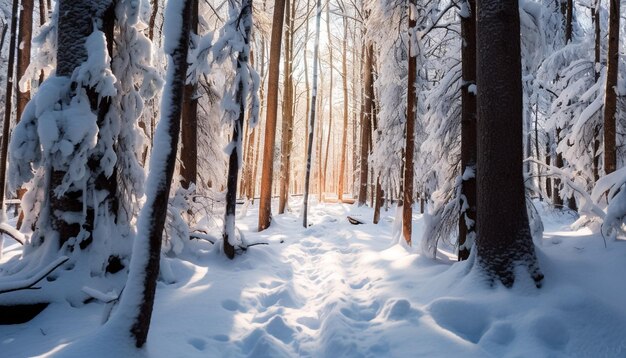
<point x="504" y="241"/>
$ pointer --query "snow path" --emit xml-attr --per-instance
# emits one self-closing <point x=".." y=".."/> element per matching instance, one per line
<point x="341" y="290"/>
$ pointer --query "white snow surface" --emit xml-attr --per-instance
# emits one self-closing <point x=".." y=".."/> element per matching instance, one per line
<point x="341" y="290"/>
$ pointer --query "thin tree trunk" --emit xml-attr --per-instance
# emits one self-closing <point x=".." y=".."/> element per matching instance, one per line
<point x="409" y="148"/>
<point x="467" y="216"/>
<point x="504" y="241"/>
<point x="366" y="126"/>
<point x="23" y="54"/>
<point x="330" y="98"/>
<point x="233" y="163"/>
<point x="189" y="138"/>
<point x="8" y="103"/>
<point x="610" y="96"/>
<point x="267" y="173"/>
<point x="344" y="132"/>
<point x="287" y="120"/>
<point x="311" y="126"/>
<point x="144" y="266"/>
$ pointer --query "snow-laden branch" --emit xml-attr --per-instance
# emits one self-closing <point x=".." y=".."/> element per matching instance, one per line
<point x="588" y="204"/>
<point x="30" y="282"/>
<point x="12" y="233"/>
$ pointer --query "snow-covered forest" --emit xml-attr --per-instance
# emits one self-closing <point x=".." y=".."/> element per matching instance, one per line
<point x="315" y="178"/>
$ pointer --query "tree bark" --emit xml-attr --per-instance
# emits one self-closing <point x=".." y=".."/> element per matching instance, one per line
<point x="610" y="96"/>
<point x="366" y="124"/>
<point x="189" y="129"/>
<point x="504" y="241"/>
<point x="409" y="148"/>
<point x="330" y="99"/>
<point x="8" y="103"/>
<point x="23" y="53"/>
<point x="467" y="216"/>
<point x="233" y="162"/>
<point x="287" y="120"/>
<point x="311" y="126"/>
<point x="344" y="132"/>
<point x="267" y="173"/>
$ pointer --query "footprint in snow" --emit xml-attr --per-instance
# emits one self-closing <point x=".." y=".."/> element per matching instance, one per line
<point x="230" y="305"/>
<point x="197" y="343"/>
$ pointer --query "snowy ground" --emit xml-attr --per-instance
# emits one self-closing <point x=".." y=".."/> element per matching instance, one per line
<point x="336" y="290"/>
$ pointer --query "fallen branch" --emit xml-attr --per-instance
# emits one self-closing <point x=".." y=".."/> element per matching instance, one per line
<point x="30" y="282"/>
<point x="202" y="236"/>
<point x="354" y="221"/>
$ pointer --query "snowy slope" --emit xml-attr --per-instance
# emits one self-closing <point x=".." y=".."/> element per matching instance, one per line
<point x="337" y="289"/>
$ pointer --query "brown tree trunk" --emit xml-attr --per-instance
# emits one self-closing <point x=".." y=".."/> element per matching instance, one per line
<point x="467" y="217"/>
<point x="8" y="103"/>
<point x="267" y="173"/>
<point x="378" y="202"/>
<point x="504" y="241"/>
<point x="23" y="53"/>
<point x="610" y="96"/>
<point x="409" y="148"/>
<point x="344" y="132"/>
<point x="366" y="124"/>
<point x="189" y="139"/>
<point x="287" y="120"/>
<point x="330" y="98"/>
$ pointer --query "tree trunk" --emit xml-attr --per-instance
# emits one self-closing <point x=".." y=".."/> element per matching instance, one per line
<point x="311" y="126"/>
<point x="233" y="163"/>
<point x="366" y="124"/>
<point x="504" y="240"/>
<point x="287" y="125"/>
<point x="8" y="103"/>
<point x="344" y="132"/>
<point x="610" y="96"/>
<point x="267" y="173"/>
<point x="409" y="148"/>
<point x="144" y="266"/>
<point x="189" y="139"/>
<point x="23" y="54"/>
<point x="330" y="99"/>
<point x="467" y="216"/>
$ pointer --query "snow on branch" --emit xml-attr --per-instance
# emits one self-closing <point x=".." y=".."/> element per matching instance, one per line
<point x="30" y="282"/>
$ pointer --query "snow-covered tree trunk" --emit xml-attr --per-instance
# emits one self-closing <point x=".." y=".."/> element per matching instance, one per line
<point x="467" y="216"/>
<point x="311" y="126"/>
<point x="504" y="240"/>
<point x="136" y="304"/>
<point x="245" y="22"/>
<point x="267" y="173"/>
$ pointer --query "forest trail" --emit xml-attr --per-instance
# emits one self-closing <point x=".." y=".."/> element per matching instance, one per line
<point x="341" y="290"/>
